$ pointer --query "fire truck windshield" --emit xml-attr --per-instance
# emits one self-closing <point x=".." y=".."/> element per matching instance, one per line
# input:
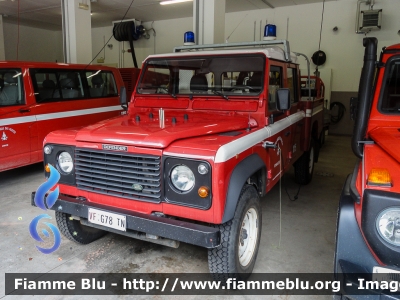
<point x="390" y="99"/>
<point x="211" y="75"/>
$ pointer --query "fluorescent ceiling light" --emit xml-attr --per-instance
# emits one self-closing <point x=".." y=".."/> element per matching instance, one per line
<point x="173" y="2"/>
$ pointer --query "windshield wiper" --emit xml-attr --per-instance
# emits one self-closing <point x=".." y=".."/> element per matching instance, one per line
<point x="221" y="94"/>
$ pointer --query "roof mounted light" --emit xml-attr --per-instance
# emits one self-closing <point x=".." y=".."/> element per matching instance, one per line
<point x="269" y="32"/>
<point x="188" y="39"/>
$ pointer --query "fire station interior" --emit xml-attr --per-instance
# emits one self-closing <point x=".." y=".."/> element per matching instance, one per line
<point x="298" y="221"/>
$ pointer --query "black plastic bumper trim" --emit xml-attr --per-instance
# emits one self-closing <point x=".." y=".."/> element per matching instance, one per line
<point x="353" y="190"/>
<point x="191" y="233"/>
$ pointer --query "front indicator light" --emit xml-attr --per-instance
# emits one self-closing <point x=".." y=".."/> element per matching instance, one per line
<point x="47" y="168"/>
<point x="379" y="177"/>
<point x="203" y="191"/>
<point x="388" y="225"/>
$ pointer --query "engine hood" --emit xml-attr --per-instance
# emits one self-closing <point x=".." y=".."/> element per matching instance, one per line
<point x="387" y="138"/>
<point x="145" y="131"/>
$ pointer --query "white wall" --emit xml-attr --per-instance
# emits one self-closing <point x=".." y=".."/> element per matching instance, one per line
<point x="35" y="44"/>
<point x="343" y="48"/>
<point x="169" y="34"/>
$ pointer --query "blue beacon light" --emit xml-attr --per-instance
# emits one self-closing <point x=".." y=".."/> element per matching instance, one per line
<point x="188" y="38"/>
<point x="269" y="32"/>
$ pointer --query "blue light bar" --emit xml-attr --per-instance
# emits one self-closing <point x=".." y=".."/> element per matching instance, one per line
<point x="270" y="32"/>
<point x="188" y="38"/>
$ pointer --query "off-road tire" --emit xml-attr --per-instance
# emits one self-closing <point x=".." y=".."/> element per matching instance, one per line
<point x="322" y="138"/>
<point x="224" y="261"/>
<point x="317" y="148"/>
<point x="73" y="229"/>
<point x="304" y="166"/>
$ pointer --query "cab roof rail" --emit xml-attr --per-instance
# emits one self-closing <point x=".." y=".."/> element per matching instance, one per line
<point x="285" y="44"/>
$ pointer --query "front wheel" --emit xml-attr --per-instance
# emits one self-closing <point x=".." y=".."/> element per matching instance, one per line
<point x="73" y="229"/>
<point x="304" y="166"/>
<point x="240" y="239"/>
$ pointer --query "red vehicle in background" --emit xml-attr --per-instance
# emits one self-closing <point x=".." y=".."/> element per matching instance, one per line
<point x="37" y="98"/>
<point x="368" y="228"/>
<point x="206" y="135"/>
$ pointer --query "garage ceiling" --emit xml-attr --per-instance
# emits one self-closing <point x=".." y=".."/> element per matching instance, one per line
<point x="47" y="13"/>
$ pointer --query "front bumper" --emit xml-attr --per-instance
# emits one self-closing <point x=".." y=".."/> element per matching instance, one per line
<point x="191" y="233"/>
<point x="353" y="259"/>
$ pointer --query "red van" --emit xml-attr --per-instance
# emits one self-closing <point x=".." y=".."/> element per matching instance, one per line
<point x="37" y="98"/>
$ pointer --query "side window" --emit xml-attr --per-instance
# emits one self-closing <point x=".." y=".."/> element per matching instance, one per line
<point x="45" y="84"/>
<point x="101" y="84"/>
<point x="57" y="84"/>
<point x="70" y="83"/>
<point x="292" y="84"/>
<point x="275" y="82"/>
<point x="11" y="87"/>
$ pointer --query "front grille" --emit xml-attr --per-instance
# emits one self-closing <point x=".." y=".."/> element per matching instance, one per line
<point x="115" y="174"/>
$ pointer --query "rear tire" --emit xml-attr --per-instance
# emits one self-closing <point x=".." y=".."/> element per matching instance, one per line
<point x="322" y="138"/>
<point x="304" y="166"/>
<point x="73" y="229"/>
<point x="240" y="239"/>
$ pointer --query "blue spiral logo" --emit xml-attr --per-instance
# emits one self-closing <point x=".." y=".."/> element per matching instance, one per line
<point x="45" y="187"/>
<point x="42" y="201"/>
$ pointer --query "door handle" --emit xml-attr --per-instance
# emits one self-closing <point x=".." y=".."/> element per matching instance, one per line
<point x="23" y="110"/>
<point x="287" y="133"/>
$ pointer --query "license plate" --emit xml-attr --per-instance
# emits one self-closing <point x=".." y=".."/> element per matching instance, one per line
<point x="385" y="274"/>
<point x="107" y="219"/>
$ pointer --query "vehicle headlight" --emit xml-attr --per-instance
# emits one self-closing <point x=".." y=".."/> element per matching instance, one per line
<point x="202" y="169"/>
<point x="182" y="178"/>
<point x="47" y="149"/>
<point x="65" y="162"/>
<point x="388" y="225"/>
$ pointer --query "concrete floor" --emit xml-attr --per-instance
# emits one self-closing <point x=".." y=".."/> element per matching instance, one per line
<point x="304" y="245"/>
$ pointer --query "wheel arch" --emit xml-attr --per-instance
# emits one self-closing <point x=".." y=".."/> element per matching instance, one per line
<point x="251" y="165"/>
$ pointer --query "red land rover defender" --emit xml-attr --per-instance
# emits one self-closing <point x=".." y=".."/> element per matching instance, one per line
<point x="207" y="133"/>
<point x="37" y="98"/>
<point x="368" y="232"/>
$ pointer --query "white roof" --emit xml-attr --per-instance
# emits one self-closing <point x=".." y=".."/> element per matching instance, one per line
<point x="270" y="52"/>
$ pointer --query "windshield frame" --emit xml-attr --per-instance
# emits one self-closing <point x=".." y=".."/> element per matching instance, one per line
<point x="395" y="59"/>
<point x="213" y="68"/>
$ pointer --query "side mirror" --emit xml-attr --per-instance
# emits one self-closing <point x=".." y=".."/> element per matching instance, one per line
<point x="122" y="98"/>
<point x="283" y="99"/>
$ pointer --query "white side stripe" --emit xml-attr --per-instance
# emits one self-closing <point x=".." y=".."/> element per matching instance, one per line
<point x="229" y="150"/>
<point x="65" y="114"/>
<point x="18" y="120"/>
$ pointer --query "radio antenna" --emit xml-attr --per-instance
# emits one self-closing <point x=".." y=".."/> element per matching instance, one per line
<point x="226" y="41"/>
